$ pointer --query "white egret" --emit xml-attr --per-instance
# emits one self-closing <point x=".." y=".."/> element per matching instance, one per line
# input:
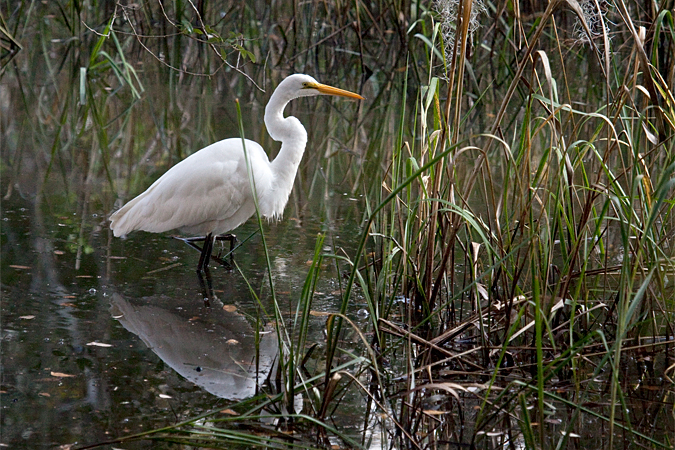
<point x="209" y="192"/>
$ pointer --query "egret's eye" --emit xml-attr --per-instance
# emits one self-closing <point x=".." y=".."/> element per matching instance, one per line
<point x="305" y="85"/>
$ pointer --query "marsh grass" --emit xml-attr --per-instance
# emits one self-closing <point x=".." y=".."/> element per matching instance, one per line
<point x="516" y="246"/>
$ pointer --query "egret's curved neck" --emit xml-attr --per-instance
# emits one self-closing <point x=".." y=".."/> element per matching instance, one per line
<point x="287" y="130"/>
<point x="293" y="137"/>
<point x="283" y="129"/>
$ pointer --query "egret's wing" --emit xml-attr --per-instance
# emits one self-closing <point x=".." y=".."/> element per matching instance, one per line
<point x="203" y="193"/>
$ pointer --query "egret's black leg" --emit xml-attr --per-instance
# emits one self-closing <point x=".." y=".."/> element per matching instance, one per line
<point x="207" y="288"/>
<point x="205" y="256"/>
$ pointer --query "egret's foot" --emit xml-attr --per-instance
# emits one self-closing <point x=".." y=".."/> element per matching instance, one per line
<point x="191" y="241"/>
<point x="206" y="249"/>
<point x="227" y="237"/>
<point x="233" y="242"/>
<point x="222" y="261"/>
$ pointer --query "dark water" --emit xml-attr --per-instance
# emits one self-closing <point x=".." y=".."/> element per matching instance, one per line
<point x="125" y="343"/>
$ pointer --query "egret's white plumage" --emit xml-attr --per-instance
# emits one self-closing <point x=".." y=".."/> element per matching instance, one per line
<point x="209" y="192"/>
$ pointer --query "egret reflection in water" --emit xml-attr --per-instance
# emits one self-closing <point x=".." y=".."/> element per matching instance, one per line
<point x="211" y="347"/>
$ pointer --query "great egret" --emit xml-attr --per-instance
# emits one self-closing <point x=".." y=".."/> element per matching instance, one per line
<point x="209" y="193"/>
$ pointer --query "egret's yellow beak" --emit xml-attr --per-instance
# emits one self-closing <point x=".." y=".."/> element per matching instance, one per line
<point x="330" y="90"/>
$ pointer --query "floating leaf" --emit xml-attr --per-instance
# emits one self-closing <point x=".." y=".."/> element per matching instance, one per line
<point x="433" y="412"/>
<point x="61" y="375"/>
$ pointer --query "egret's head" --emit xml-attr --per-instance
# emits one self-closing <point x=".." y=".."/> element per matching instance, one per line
<point x="300" y="85"/>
